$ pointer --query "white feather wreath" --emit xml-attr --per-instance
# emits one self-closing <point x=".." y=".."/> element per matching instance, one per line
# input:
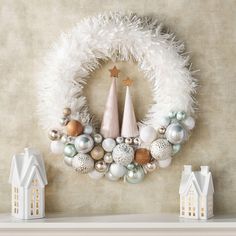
<point x="115" y="36"/>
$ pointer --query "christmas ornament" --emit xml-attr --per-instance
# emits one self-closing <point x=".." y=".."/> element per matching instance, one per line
<point x="66" y="111"/>
<point x="142" y="156"/>
<point x="162" y="130"/>
<point x="148" y="134"/>
<point x="123" y="154"/>
<point x="128" y="140"/>
<point x="64" y="138"/>
<point x="172" y="114"/>
<point x="135" y="176"/>
<point x="108" y="144"/>
<point x="97" y="138"/>
<point x="74" y="128"/>
<point x="150" y="167"/>
<point x="175" y="133"/>
<point x="84" y="143"/>
<point x="70" y="150"/>
<point x="108" y="158"/>
<point x="164" y="163"/>
<point x="101" y="166"/>
<point x="137" y="141"/>
<point x="119" y="139"/>
<point x="110" y="122"/>
<point x="54" y="134"/>
<point x="97" y="153"/>
<point x="64" y="121"/>
<point x="68" y="160"/>
<point x="83" y="163"/>
<point x="180" y="115"/>
<point x="189" y="123"/>
<point x="164" y="121"/>
<point x="161" y="149"/>
<point x="117" y="170"/>
<point x="88" y="129"/>
<point x="110" y="177"/>
<point x="57" y="147"/>
<point x="176" y="148"/>
<point x="94" y="174"/>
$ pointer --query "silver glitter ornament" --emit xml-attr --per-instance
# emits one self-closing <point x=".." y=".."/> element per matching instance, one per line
<point x="135" y="176"/>
<point x="119" y="140"/>
<point x="161" y="149"/>
<point x="84" y="143"/>
<point x="101" y="166"/>
<point x="83" y="163"/>
<point x="108" y="144"/>
<point x="70" y="150"/>
<point x="137" y="141"/>
<point x="97" y="138"/>
<point x="88" y="129"/>
<point x="128" y="140"/>
<point x="108" y="158"/>
<point x="175" y="133"/>
<point x="68" y="160"/>
<point x="64" y="121"/>
<point x="54" y="134"/>
<point x="123" y="154"/>
<point x="150" y="167"/>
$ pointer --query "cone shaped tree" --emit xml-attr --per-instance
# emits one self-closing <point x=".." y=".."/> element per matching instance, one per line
<point x="110" y="122"/>
<point x="129" y="124"/>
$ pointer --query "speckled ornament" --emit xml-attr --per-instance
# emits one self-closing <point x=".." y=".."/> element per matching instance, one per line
<point x="97" y="152"/>
<point x="175" y="133"/>
<point x="83" y="163"/>
<point x="161" y="149"/>
<point x="123" y="154"/>
<point x="74" y="128"/>
<point x="84" y="143"/>
<point x="142" y="156"/>
<point x="108" y="144"/>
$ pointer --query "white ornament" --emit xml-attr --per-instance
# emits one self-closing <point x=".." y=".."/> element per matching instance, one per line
<point x="68" y="160"/>
<point x="123" y="154"/>
<point x="108" y="158"/>
<point x="57" y="147"/>
<point x="108" y="144"/>
<point x="119" y="139"/>
<point x="148" y="134"/>
<point x="117" y="170"/>
<point x="97" y="138"/>
<point x="175" y="133"/>
<point x="189" y="122"/>
<point x="88" y="129"/>
<point x="164" y="121"/>
<point x="94" y="174"/>
<point x="165" y="163"/>
<point x="83" y="163"/>
<point x="161" y="149"/>
<point x="110" y="177"/>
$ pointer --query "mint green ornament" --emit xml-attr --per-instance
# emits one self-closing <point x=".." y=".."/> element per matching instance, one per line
<point x="181" y="115"/>
<point x="172" y="114"/>
<point x="70" y="150"/>
<point x="135" y="176"/>
<point x="176" y="148"/>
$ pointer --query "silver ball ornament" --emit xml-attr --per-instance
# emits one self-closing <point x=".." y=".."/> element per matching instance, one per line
<point x="110" y="177"/>
<point x="162" y="130"/>
<point x="123" y="154"/>
<point x="108" y="144"/>
<point x="128" y="141"/>
<point x="165" y="163"/>
<point x="150" y="167"/>
<point x="101" y="166"/>
<point x="130" y="166"/>
<point x="83" y="163"/>
<point x="88" y="129"/>
<point x="68" y="160"/>
<point x="108" y="158"/>
<point x="175" y="133"/>
<point x="135" y="175"/>
<point x="189" y="123"/>
<point x="84" y="143"/>
<point x="119" y="140"/>
<point x="180" y="115"/>
<point x="70" y="150"/>
<point x="64" y="121"/>
<point x="54" y="134"/>
<point x="176" y="148"/>
<point x="137" y="141"/>
<point x="161" y="149"/>
<point x="117" y="170"/>
<point x="148" y="134"/>
<point x="97" y="138"/>
<point x="64" y="138"/>
<point x="172" y="114"/>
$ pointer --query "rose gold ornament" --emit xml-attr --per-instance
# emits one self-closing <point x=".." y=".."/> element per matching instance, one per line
<point x="142" y="156"/>
<point x="74" y="128"/>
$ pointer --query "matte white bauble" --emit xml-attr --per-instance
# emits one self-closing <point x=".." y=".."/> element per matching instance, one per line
<point x="94" y="174"/>
<point x="84" y="143"/>
<point x="108" y="144"/>
<point x="175" y="133"/>
<point x="88" y="129"/>
<point x="83" y="163"/>
<point x="189" y="122"/>
<point x="165" y="163"/>
<point x="110" y="177"/>
<point x="161" y="149"/>
<point x="57" y="147"/>
<point x="164" y="121"/>
<point x="148" y="134"/>
<point x="123" y="154"/>
<point x="117" y="170"/>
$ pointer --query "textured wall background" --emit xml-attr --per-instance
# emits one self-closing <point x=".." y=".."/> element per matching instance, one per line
<point x="28" y="29"/>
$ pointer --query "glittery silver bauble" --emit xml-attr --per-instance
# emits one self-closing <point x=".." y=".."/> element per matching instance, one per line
<point x="137" y="141"/>
<point x="84" y="143"/>
<point x="180" y="115"/>
<point x="97" y="138"/>
<point x="110" y="177"/>
<point x="70" y="150"/>
<point x="161" y="149"/>
<point x="68" y="160"/>
<point x="175" y="133"/>
<point x="54" y="134"/>
<point x="119" y="140"/>
<point x="172" y="114"/>
<point x="66" y="111"/>
<point x="151" y="166"/>
<point x="108" y="158"/>
<point x="117" y="170"/>
<point x="83" y="162"/>
<point x="88" y="129"/>
<point x="64" y="121"/>
<point x="162" y="130"/>
<point x="101" y="166"/>
<point x="135" y="175"/>
<point x="128" y="140"/>
<point x="176" y="148"/>
<point x="123" y="154"/>
<point x="108" y="144"/>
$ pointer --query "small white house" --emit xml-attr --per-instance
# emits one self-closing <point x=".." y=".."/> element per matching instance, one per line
<point x="196" y="193"/>
<point x="28" y="179"/>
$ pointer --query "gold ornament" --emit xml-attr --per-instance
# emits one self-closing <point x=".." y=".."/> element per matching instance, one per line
<point x="142" y="156"/>
<point x="66" y="111"/>
<point x="97" y="153"/>
<point x="74" y="128"/>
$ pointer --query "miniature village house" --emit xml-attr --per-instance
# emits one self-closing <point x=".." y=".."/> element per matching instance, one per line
<point x="28" y="180"/>
<point x="196" y="193"/>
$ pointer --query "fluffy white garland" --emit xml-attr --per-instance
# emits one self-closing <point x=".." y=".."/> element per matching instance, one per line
<point x="116" y="37"/>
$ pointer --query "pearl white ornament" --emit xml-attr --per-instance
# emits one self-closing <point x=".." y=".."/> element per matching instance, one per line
<point x="88" y="129"/>
<point x="128" y="140"/>
<point x="110" y="177"/>
<point x="94" y="174"/>
<point x="164" y="121"/>
<point x="117" y="170"/>
<point x="180" y="115"/>
<point x="108" y="158"/>
<point x="108" y="144"/>
<point x="84" y="143"/>
<point x="57" y="147"/>
<point x="97" y="138"/>
<point x="189" y="122"/>
<point x="164" y="163"/>
<point x="135" y="176"/>
<point x="172" y="114"/>
<point x="119" y="139"/>
<point x="123" y="154"/>
<point x="83" y="163"/>
<point x="148" y="134"/>
<point x="68" y="160"/>
<point x="161" y="149"/>
<point x="101" y="166"/>
<point x="137" y="141"/>
<point x="175" y="133"/>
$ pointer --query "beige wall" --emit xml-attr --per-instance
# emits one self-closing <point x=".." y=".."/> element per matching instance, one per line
<point x="28" y="28"/>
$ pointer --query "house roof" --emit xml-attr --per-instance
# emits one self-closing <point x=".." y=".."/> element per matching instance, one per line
<point x="201" y="181"/>
<point x="25" y="165"/>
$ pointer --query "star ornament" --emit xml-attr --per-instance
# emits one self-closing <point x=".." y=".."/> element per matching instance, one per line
<point x="127" y="82"/>
<point x="114" y="72"/>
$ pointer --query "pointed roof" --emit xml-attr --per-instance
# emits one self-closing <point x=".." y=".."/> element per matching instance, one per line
<point x="25" y="166"/>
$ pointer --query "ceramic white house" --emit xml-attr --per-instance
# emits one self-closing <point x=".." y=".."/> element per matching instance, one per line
<point x="28" y="179"/>
<point x="196" y="193"/>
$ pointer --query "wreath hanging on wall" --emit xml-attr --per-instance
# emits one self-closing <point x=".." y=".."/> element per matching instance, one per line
<point x="139" y="147"/>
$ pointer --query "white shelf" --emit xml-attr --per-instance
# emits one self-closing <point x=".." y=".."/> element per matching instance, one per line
<point x="167" y="224"/>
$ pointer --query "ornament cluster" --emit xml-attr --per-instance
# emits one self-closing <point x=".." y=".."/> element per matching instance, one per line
<point x="129" y="155"/>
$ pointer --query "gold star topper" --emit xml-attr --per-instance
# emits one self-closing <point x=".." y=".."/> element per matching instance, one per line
<point x="127" y="82"/>
<point x="114" y="72"/>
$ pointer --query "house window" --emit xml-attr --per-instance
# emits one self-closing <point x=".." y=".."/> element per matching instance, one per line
<point x="35" y="198"/>
<point x="191" y="202"/>
<point x="15" y="201"/>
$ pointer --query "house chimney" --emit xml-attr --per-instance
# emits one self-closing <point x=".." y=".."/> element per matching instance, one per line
<point x="204" y="170"/>
<point x="187" y="169"/>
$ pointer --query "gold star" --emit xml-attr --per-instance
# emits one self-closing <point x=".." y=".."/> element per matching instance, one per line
<point x="114" y="72"/>
<point x="127" y="82"/>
